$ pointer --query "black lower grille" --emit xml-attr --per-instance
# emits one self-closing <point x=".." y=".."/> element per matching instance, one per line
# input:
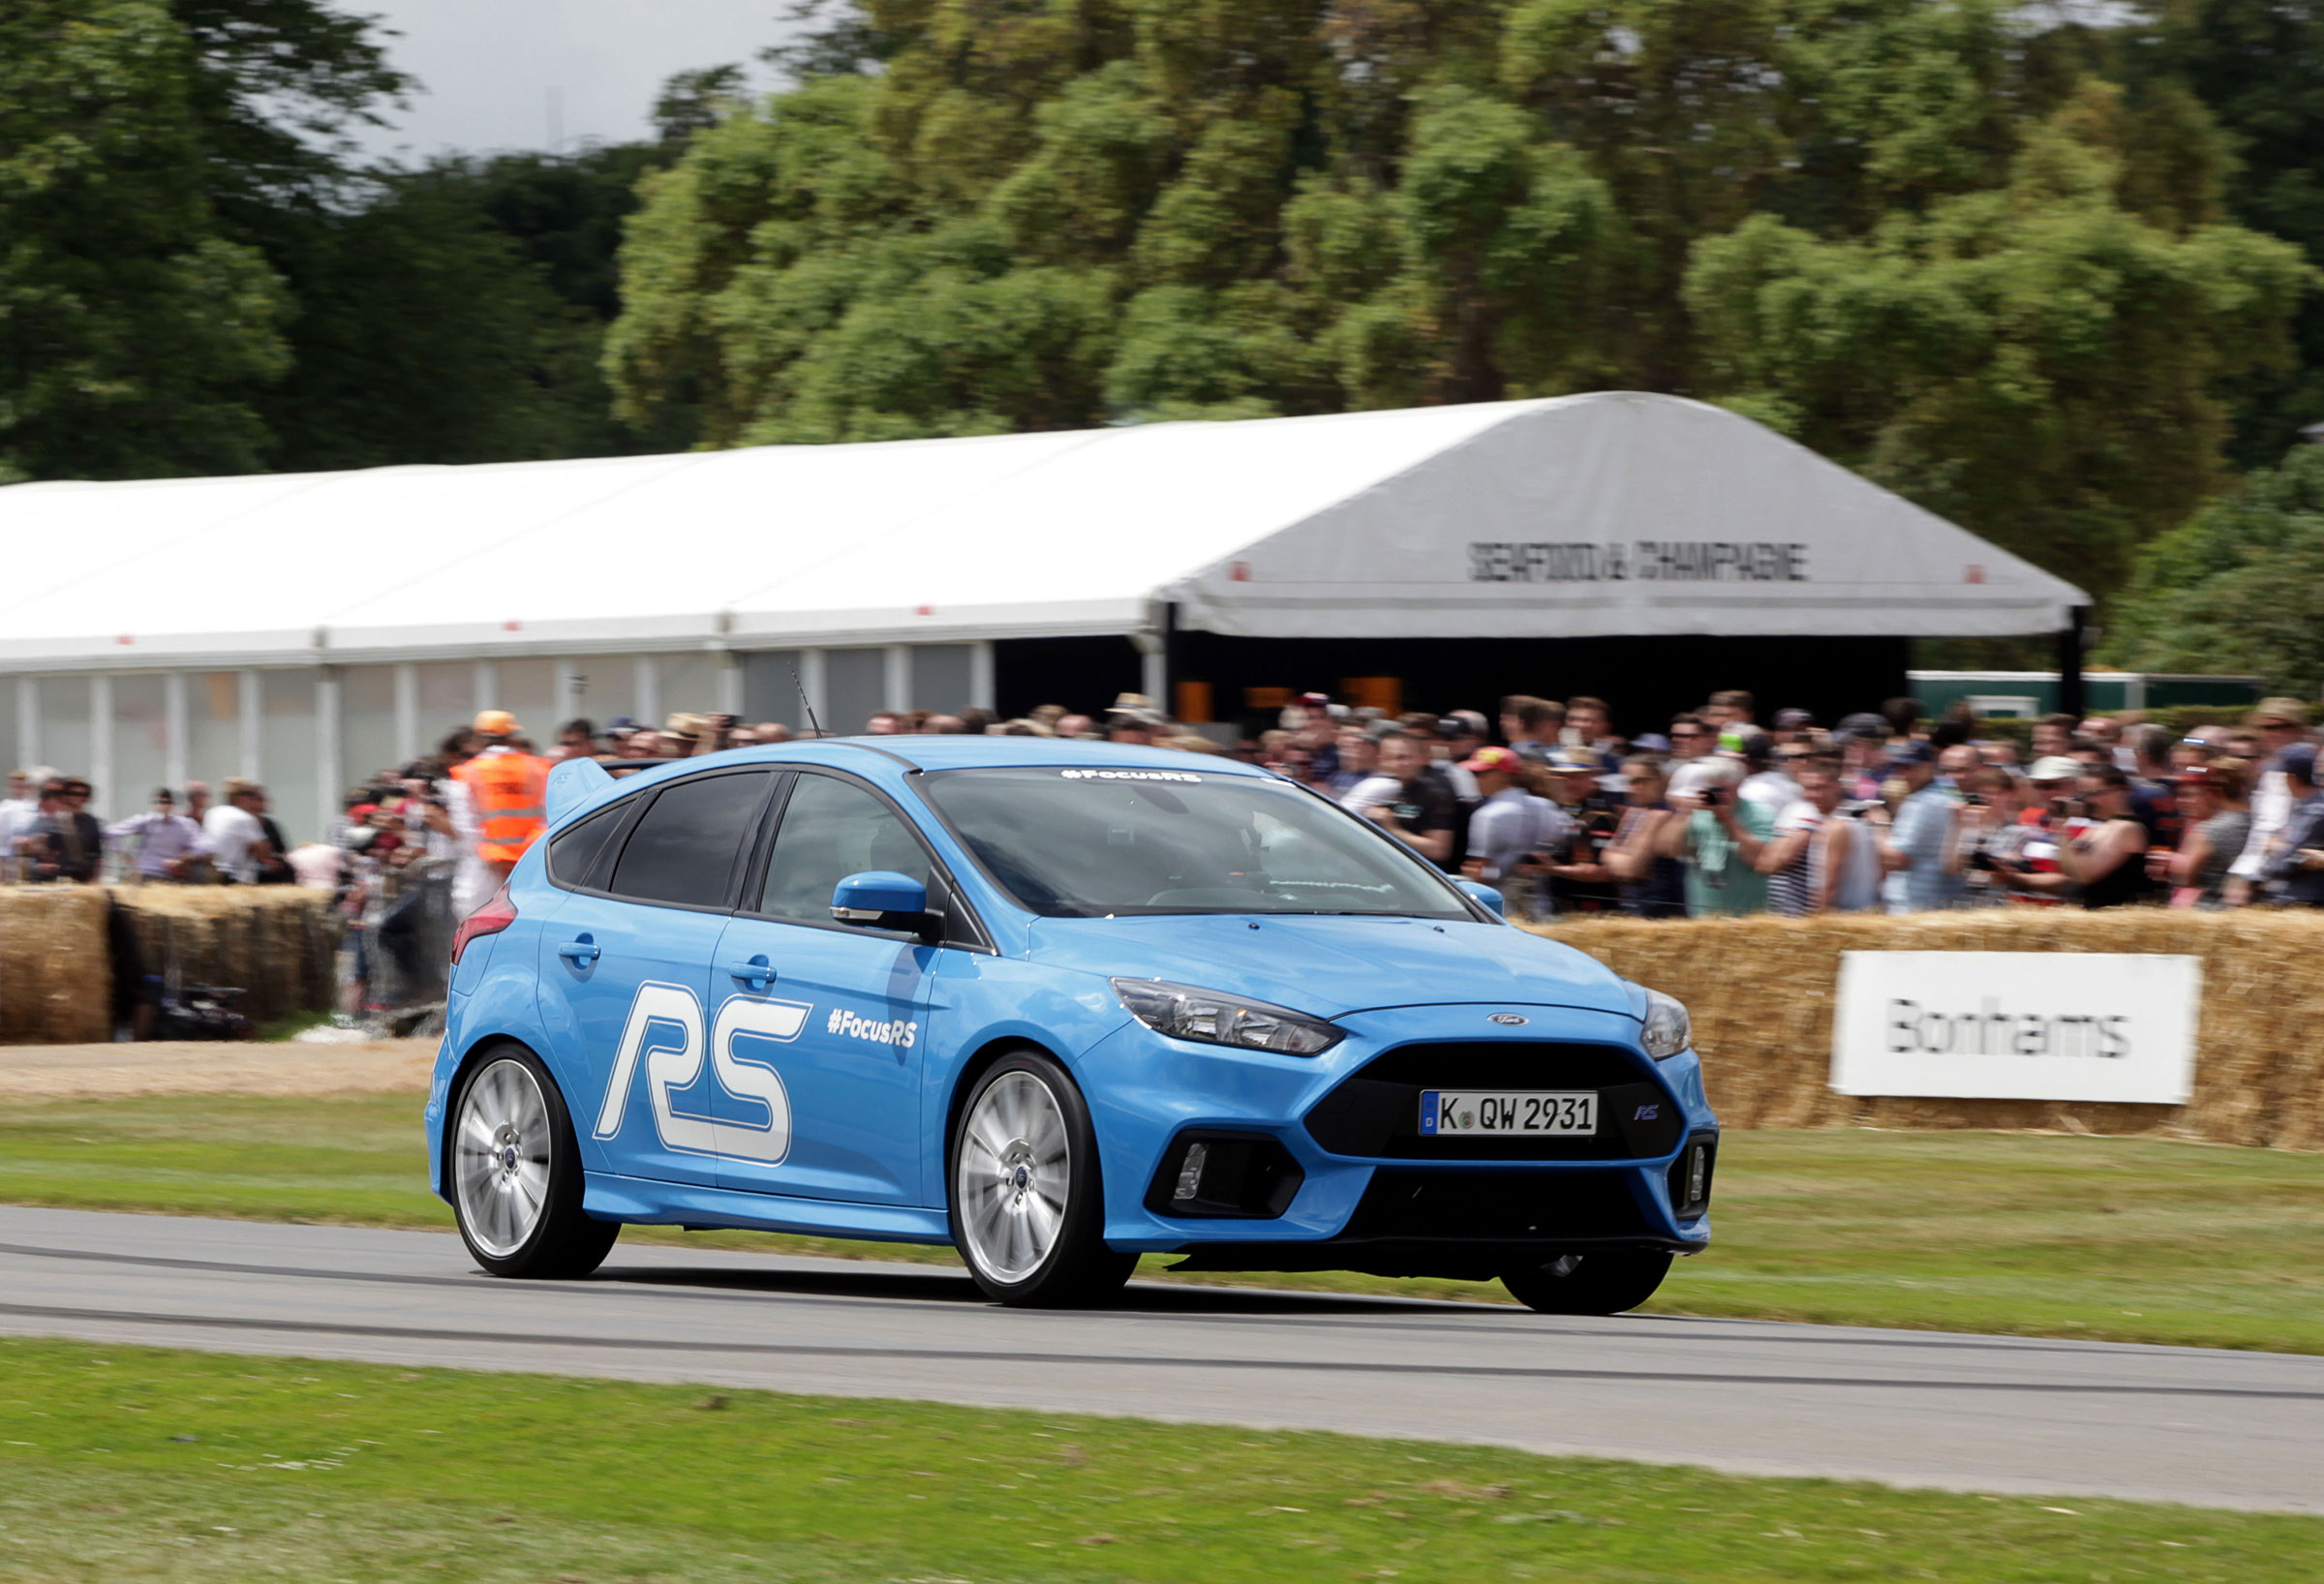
<point x="1468" y="1205"/>
<point x="1376" y="1112"/>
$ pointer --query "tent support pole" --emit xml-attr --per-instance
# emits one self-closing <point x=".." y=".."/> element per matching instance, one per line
<point x="1157" y="670"/>
<point x="2070" y="695"/>
<point x="101" y="748"/>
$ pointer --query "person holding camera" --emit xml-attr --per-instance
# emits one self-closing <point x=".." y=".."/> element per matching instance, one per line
<point x="1995" y="834"/>
<point x="2104" y="863"/>
<point x="1719" y="836"/>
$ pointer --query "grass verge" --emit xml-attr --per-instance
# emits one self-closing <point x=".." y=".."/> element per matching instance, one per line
<point x="2124" y="1239"/>
<point x="143" y="1464"/>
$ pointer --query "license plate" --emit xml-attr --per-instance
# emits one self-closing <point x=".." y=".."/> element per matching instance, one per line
<point x="1521" y="1113"/>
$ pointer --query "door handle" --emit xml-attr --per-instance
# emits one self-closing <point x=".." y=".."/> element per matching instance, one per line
<point x="579" y="951"/>
<point x="757" y="972"/>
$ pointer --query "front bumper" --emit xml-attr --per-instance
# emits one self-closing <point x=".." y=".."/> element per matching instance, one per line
<point x="1370" y="1193"/>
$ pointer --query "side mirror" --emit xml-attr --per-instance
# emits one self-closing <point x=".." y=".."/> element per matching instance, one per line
<point x="882" y="898"/>
<point x="1479" y="892"/>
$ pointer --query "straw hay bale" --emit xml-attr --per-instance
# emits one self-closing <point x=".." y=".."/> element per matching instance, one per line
<point x="274" y="942"/>
<point x="1761" y="992"/>
<point x="55" y="985"/>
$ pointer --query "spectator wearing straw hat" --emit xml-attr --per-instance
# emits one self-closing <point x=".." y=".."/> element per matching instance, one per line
<point x="1575" y="862"/>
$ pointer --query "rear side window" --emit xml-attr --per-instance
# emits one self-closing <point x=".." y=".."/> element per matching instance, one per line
<point x="581" y="856"/>
<point x="684" y="847"/>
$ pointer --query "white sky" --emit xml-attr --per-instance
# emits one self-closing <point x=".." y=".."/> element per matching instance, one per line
<point x="490" y="69"/>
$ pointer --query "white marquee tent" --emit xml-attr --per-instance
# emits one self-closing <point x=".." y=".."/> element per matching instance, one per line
<point x="304" y="628"/>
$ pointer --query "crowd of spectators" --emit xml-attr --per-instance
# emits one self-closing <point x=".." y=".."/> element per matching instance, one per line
<point x="1718" y="814"/>
<point x="1881" y="811"/>
<point x="1713" y="812"/>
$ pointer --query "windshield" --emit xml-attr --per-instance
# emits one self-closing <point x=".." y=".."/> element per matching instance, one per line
<point x="1082" y="844"/>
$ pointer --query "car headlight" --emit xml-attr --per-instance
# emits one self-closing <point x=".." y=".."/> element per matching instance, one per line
<point x="1669" y="1028"/>
<point x="1185" y="1013"/>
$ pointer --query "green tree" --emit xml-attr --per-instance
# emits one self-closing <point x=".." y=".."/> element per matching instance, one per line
<point x="457" y="312"/>
<point x="132" y="329"/>
<point x="2239" y="588"/>
<point x="2037" y="360"/>
<point x="2258" y="67"/>
<point x="1930" y="237"/>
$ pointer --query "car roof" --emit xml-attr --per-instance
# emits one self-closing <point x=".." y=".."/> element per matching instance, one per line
<point x="867" y="754"/>
<point x="963" y="753"/>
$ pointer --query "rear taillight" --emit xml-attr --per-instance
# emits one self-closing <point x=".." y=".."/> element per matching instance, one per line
<point x="491" y="919"/>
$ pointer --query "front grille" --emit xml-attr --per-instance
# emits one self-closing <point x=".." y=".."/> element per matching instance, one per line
<point x="1465" y="1207"/>
<point x="1376" y="1112"/>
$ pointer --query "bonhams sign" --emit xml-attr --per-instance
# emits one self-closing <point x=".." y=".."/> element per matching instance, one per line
<point x="2017" y="1026"/>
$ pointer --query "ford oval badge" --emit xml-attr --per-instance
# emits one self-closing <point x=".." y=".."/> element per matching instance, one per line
<point x="1506" y="1019"/>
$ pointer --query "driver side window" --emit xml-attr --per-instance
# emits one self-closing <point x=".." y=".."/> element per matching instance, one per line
<point x="831" y="829"/>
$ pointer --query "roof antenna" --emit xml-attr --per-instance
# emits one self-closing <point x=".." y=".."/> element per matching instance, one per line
<point x="803" y="702"/>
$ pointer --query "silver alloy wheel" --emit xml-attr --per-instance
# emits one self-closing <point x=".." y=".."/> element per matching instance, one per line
<point x="1011" y="1182"/>
<point x="500" y="1157"/>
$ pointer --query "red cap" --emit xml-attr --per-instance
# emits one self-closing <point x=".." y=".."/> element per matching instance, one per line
<point x="1494" y="759"/>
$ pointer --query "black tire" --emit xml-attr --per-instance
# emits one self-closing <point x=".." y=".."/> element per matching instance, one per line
<point x="517" y="1195"/>
<point x="1592" y="1282"/>
<point x="1005" y="1184"/>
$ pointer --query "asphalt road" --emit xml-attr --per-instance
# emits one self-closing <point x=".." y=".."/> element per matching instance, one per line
<point x="1972" y="1412"/>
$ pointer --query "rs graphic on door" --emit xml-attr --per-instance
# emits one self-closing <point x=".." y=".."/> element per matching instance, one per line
<point x="664" y="1035"/>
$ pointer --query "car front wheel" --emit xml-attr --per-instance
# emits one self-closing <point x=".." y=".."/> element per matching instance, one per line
<point x="1594" y="1282"/>
<point x="516" y="1172"/>
<point x="1027" y="1205"/>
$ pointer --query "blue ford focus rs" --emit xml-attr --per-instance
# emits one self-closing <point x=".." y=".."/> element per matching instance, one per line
<point x="1056" y="1004"/>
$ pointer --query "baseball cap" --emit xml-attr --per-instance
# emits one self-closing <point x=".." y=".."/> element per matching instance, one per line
<point x="621" y="723"/>
<point x="2055" y="767"/>
<point x="496" y="723"/>
<point x="1791" y="720"/>
<point x="1863" y="723"/>
<point x="2299" y="760"/>
<point x="1492" y="759"/>
<point x="1913" y="752"/>
<point x="1452" y="725"/>
<point x="1569" y="762"/>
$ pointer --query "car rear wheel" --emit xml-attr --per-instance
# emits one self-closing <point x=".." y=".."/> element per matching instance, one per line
<point x="1027" y="1205"/>
<point x="516" y="1171"/>
<point x="1595" y="1282"/>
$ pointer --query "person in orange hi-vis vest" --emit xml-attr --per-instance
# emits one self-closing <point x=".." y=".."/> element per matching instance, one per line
<point x="509" y="788"/>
